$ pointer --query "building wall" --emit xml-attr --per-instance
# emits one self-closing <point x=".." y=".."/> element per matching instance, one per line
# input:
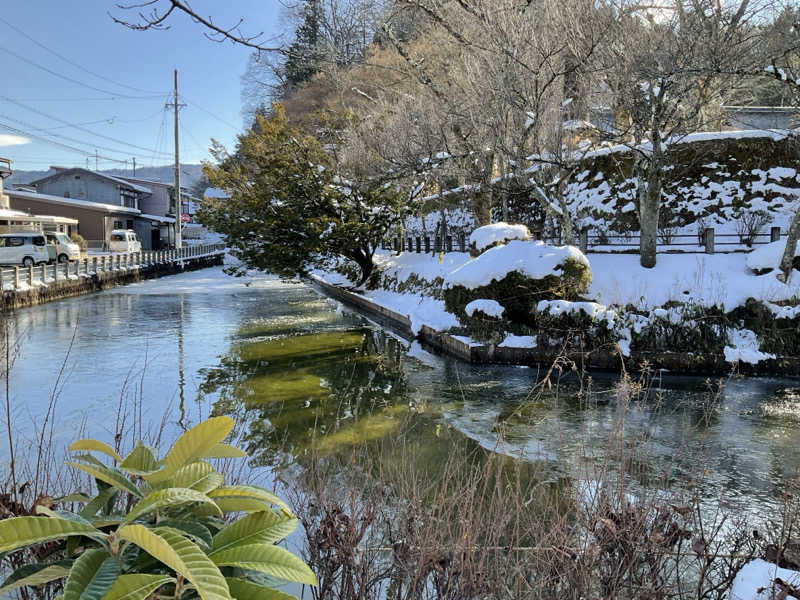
<point x="158" y="202"/>
<point x="93" y="225"/>
<point x="82" y="186"/>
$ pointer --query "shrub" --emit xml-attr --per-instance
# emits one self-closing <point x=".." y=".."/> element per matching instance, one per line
<point x="519" y="293"/>
<point x="157" y="528"/>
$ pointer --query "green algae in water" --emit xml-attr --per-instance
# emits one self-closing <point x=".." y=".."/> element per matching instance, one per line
<point x="290" y="388"/>
<point x="301" y="346"/>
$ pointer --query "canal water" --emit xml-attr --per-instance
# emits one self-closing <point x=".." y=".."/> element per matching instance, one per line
<point x="299" y="371"/>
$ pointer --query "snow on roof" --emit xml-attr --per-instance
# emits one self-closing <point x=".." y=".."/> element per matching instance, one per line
<point x="158" y="218"/>
<point x="72" y="202"/>
<point x="99" y="175"/>
<point x="214" y="192"/>
<point x="7" y="213"/>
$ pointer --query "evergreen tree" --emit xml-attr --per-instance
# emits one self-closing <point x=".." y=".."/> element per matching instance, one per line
<point x="305" y="54"/>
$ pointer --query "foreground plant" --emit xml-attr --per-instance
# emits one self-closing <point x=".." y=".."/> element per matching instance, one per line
<point x="160" y="528"/>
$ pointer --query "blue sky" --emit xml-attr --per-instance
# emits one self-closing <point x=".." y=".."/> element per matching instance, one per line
<point x="40" y="103"/>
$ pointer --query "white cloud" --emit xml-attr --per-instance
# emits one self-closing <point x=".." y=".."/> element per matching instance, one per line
<point x="12" y="140"/>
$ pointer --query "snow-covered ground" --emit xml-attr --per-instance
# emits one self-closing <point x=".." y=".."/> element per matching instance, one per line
<point x="618" y="282"/>
<point x="755" y="581"/>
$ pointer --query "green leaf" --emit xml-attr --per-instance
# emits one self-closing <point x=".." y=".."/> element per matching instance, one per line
<point x="95" y="446"/>
<point x="264" y="527"/>
<point x="140" y="461"/>
<point x="241" y="589"/>
<point x="72" y="498"/>
<point x="225" y="451"/>
<point x="136" y="587"/>
<point x="182" y="556"/>
<point x="193" y="529"/>
<point x="200" y="476"/>
<point x="247" y="491"/>
<point x="167" y="497"/>
<point x="92" y="575"/>
<point x="34" y="575"/>
<point x="98" y="502"/>
<point x="192" y="445"/>
<point x="110" y="476"/>
<point x="235" y="504"/>
<point x="266" y="558"/>
<point x="24" y="531"/>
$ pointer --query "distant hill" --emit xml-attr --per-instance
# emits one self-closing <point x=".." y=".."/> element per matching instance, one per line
<point x="190" y="173"/>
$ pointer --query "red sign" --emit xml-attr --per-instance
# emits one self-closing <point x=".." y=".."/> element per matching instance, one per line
<point x="185" y="218"/>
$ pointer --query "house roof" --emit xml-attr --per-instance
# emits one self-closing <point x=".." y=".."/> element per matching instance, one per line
<point x="184" y="190"/>
<point x="85" y="204"/>
<point x="119" y="181"/>
<point x="158" y="218"/>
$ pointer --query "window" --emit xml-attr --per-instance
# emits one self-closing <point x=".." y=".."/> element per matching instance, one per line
<point x="15" y="242"/>
<point x="38" y="240"/>
<point x="66" y="194"/>
<point x="117" y="224"/>
<point x="130" y="224"/>
<point x="117" y="237"/>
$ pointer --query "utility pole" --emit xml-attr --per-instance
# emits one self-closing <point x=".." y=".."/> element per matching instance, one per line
<point x="134" y="165"/>
<point x="96" y="168"/>
<point x="178" y="207"/>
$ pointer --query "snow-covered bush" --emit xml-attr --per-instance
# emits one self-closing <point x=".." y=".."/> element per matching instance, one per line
<point x="489" y="236"/>
<point x="518" y="275"/>
<point x="768" y="258"/>
<point x="483" y="319"/>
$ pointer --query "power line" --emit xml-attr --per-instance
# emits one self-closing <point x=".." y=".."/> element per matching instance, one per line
<point x="74" y="126"/>
<point x="64" y="137"/>
<point x="205" y="110"/>
<point x="73" y="63"/>
<point x="16" y="130"/>
<point x="70" y="79"/>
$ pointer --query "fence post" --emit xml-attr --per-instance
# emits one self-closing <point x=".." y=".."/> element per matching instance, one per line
<point x="396" y="244"/>
<point x="427" y="244"/>
<point x="775" y="234"/>
<point x="462" y="242"/>
<point x="449" y="243"/>
<point x="55" y="271"/>
<point x="708" y="239"/>
<point x="16" y="278"/>
<point x="30" y="275"/>
<point x="584" y="240"/>
<point x="418" y="240"/>
<point x="437" y="244"/>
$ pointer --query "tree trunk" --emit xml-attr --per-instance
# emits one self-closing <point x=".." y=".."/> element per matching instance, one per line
<point x="482" y="199"/>
<point x="787" y="262"/>
<point x="650" y="180"/>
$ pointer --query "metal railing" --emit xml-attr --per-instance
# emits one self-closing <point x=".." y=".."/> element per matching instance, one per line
<point x="24" y="278"/>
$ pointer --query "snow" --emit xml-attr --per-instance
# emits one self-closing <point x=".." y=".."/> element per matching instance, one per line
<point x="754" y="581"/>
<point x="424" y="266"/>
<point x="420" y="310"/>
<point x="706" y="280"/>
<point x="497" y="232"/>
<point x="491" y="308"/>
<point x="518" y="341"/>
<point x="533" y="259"/>
<point x="744" y="348"/>
<point x="768" y="256"/>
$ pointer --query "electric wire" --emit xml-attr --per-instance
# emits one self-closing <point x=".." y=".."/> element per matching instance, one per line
<point x="16" y="130"/>
<point x="73" y="63"/>
<point x="208" y="112"/>
<point x="70" y="79"/>
<point x="78" y="127"/>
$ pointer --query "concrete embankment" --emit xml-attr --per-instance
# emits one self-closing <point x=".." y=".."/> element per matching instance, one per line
<point x="605" y="358"/>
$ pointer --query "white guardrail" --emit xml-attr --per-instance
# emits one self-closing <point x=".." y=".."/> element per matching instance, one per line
<point x="25" y="278"/>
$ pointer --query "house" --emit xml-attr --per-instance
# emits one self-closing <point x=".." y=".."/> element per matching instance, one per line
<point x="160" y="203"/>
<point x="17" y="220"/>
<point x="83" y="184"/>
<point x="104" y="203"/>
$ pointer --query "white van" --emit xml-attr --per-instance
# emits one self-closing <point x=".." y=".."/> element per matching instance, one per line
<point x="65" y="249"/>
<point x="124" y="240"/>
<point x="25" y="249"/>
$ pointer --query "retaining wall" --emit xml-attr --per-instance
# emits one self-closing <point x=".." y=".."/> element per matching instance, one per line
<point x="600" y="359"/>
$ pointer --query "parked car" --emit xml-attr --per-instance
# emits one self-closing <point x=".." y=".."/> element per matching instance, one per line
<point x="27" y="248"/>
<point x="63" y="248"/>
<point x="124" y="240"/>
